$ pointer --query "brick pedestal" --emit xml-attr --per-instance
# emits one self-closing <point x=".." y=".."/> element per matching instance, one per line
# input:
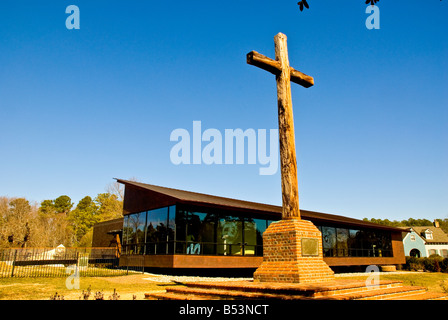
<point x="292" y="253"/>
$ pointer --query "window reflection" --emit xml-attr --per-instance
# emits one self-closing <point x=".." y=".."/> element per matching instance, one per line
<point x="355" y="246"/>
<point x="156" y="231"/>
<point x="253" y="236"/>
<point x="171" y="229"/>
<point x="230" y="235"/>
<point x="329" y="241"/>
<point x="136" y="235"/>
<point x="195" y="232"/>
<point x="342" y="242"/>
<point x="186" y="230"/>
<point x="126" y="234"/>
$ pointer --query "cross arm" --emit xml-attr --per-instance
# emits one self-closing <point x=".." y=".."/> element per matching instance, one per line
<point x="273" y="66"/>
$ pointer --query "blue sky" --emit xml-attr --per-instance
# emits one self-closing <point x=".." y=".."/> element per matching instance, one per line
<point x="80" y="107"/>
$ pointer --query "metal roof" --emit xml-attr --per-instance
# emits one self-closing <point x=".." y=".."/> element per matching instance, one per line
<point x="205" y="199"/>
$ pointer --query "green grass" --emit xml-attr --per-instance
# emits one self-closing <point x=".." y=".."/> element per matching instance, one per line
<point x="137" y="284"/>
<point x="433" y="281"/>
<point x="44" y="288"/>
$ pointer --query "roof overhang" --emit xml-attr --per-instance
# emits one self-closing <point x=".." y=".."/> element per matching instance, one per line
<point x="200" y="199"/>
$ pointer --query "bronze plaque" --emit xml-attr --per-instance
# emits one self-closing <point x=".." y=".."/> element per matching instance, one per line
<point x="310" y="247"/>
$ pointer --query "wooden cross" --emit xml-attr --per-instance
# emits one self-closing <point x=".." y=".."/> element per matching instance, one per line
<point x="284" y="75"/>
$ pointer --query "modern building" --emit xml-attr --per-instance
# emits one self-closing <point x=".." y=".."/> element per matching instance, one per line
<point x="425" y="241"/>
<point x="170" y="228"/>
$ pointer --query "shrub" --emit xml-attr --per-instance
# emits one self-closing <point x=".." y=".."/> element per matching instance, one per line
<point x="444" y="265"/>
<point x="434" y="263"/>
<point x="415" y="267"/>
<point x="413" y="264"/>
<point x="431" y="264"/>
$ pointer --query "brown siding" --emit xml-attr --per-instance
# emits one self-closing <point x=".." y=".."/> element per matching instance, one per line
<point x="199" y="261"/>
<point x="190" y="261"/>
<point x="136" y="200"/>
<point x="397" y="248"/>
<point x="100" y="237"/>
<point x="360" y="261"/>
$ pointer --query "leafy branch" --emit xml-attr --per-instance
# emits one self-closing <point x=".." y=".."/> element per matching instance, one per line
<point x="303" y="3"/>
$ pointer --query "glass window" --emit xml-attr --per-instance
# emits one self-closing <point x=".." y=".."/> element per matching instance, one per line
<point x="214" y="233"/>
<point x="156" y="225"/>
<point x="136" y="237"/>
<point x="432" y="251"/>
<point x="353" y="233"/>
<point x="124" y="239"/>
<point x="253" y="236"/>
<point x="207" y="233"/>
<point x="342" y="242"/>
<point x="270" y="221"/>
<point x="125" y="230"/>
<point x="194" y="226"/>
<point x="181" y="231"/>
<point x="156" y="231"/>
<point x="444" y="253"/>
<point x="195" y="232"/>
<point x="230" y="235"/>
<point x="366" y="242"/>
<point x="171" y="229"/>
<point x="354" y="243"/>
<point x="384" y="244"/>
<point x="329" y="241"/>
<point x="171" y="222"/>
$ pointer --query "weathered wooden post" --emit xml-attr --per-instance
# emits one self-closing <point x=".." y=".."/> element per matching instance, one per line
<point x="292" y="248"/>
<point x="14" y="263"/>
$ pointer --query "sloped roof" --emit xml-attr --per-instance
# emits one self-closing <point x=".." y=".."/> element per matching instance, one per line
<point x="438" y="235"/>
<point x="409" y="230"/>
<point x="201" y="198"/>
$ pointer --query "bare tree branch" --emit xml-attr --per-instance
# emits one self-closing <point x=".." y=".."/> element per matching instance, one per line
<point x="304" y="3"/>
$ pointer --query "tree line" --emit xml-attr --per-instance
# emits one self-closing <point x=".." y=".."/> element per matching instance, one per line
<point x="443" y="223"/>
<point x="56" y="221"/>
